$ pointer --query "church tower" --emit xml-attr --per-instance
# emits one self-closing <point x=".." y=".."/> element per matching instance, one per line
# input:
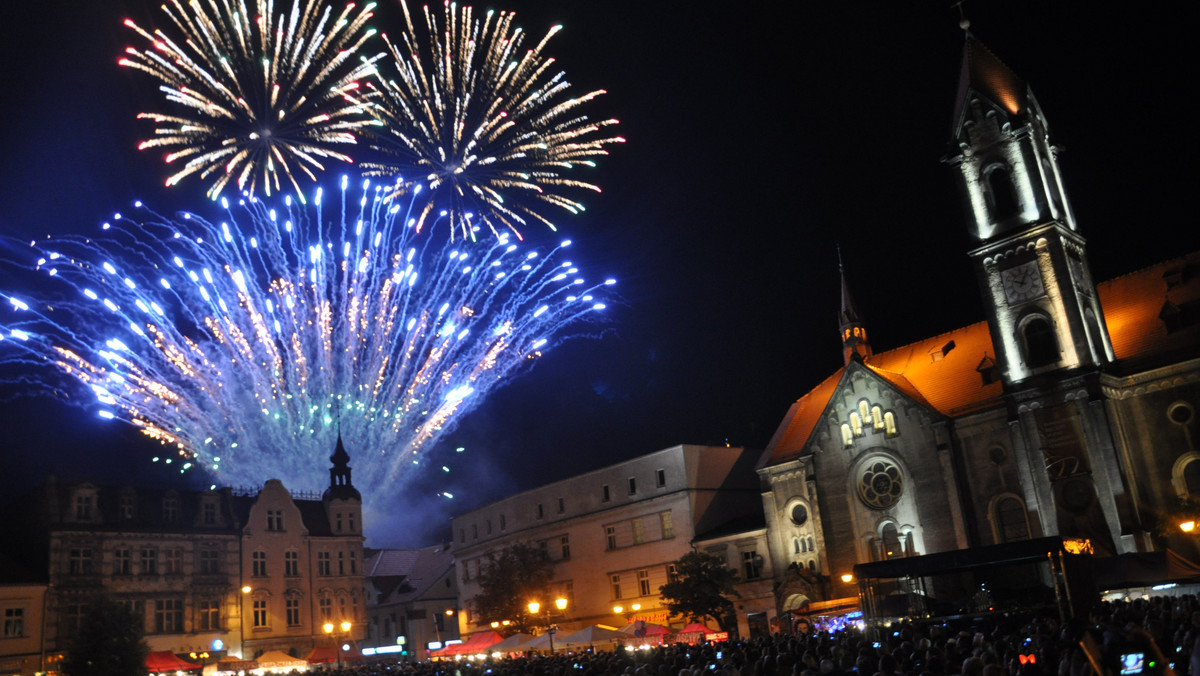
<point x="1030" y="258"/>
<point x="343" y="502"/>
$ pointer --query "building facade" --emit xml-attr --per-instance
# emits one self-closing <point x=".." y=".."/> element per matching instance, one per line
<point x="412" y="601"/>
<point x="1069" y="411"/>
<point x="615" y="533"/>
<point x="217" y="571"/>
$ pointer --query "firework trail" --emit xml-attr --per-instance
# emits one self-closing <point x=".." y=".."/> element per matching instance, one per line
<point x="246" y="344"/>
<point x="492" y="129"/>
<point x="257" y="94"/>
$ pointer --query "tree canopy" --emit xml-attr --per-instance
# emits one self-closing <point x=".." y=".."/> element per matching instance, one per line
<point x="108" y="643"/>
<point x="701" y="588"/>
<point x="509" y="580"/>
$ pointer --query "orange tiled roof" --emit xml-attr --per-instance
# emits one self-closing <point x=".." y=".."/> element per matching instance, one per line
<point x="942" y="372"/>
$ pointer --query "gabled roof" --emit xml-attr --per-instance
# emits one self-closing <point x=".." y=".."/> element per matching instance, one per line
<point x="403" y="575"/>
<point x="944" y="373"/>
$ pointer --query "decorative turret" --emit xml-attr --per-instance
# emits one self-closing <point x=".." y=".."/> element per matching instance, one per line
<point x="340" y="487"/>
<point x="854" y="331"/>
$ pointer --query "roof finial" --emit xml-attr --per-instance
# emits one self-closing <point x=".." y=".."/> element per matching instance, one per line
<point x="963" y="22"/>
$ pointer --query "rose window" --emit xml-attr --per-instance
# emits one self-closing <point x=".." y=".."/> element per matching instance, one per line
<point x="880" y="485"/>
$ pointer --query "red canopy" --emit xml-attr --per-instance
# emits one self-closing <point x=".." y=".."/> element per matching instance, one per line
<point x="325" y="654"/>
<point x="477" y="643"/>
<point x="164" y="660"/>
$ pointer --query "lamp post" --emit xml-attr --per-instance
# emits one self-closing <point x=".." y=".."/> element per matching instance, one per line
<point x="242" y="620"/>
<point x="561" y="604"/>
<point x="202" y="656"/>
<point x="345" y="627"/>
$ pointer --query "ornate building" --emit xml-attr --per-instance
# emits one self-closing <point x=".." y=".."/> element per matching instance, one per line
<point x="220" y="571"/>
<point x="1069" y="411"/>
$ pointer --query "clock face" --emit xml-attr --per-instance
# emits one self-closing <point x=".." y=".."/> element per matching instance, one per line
<point x="1022" y="283"/>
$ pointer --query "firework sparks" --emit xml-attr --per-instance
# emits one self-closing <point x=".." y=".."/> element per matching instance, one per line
<point x="493" y="130"/>
<point x="258" y="94"/>
<point x="248" y="344"/>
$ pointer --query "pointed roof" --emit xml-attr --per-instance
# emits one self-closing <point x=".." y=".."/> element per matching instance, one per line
<point x="849" y="315"/>
<point x="984" y="73"/>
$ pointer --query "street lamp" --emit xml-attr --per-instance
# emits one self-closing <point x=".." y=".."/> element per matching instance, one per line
<point x="345" y="627"/>
<point x="1187" y="526"/>
<point x="534" y="607"/>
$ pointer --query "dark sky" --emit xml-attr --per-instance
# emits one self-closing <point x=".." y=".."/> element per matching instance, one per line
<point x="759" y="139"/>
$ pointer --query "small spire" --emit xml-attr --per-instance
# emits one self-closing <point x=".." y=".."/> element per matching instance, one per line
<point x="851" y="326"/>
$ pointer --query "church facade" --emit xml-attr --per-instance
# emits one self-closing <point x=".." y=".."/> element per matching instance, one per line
<point x="1069" y="411"/>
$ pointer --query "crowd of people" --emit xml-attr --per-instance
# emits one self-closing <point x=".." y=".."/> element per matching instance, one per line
<point x="1146" y="637"/>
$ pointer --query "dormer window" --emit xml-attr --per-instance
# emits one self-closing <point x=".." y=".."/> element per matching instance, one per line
<point x="275" y="520"/>
<point x="170" y="509"/>
<point x="84" y="504"/>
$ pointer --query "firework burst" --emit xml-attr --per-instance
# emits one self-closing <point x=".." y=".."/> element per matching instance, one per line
<point x="259" y="95"/>
<point x="491" y="128"/>
<point x="248" y="343"/>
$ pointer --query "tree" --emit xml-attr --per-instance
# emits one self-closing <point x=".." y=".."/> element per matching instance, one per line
<point x="700" y="588"/>
<point x="509" y="580"/>
<point x="108" y="643"/>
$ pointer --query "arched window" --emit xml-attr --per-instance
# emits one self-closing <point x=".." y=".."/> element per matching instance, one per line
<point x="811" y="547"/>
<point x="1191" y="478"/>
<point x="795" y="545"/>
<point x="1001" y="194"/>
<point x="1041" y="345"/>
<point x="864" y="411"/>
<point x="889" y="423"/>
<point x="812" y="566"/>
<point x="892" y="549"/>
<point x="856" y="424"/>
<point x="877" y="417"/>
<point x="847" y="436"/>
<point x="1012" y="524"/>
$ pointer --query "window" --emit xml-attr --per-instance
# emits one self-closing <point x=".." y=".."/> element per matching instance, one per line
<point x="889" y="423"/>
<point x="643" y="578"/>
<point x="149" y="561"/>
<point x="489" y="526"/>
<point x="83" y="507"/>
<point x="14" y="622"/>
<point x="632" y="485"/>
<point x="173" y="561"/>
<point x="291" y="564"/>
<point x="275" y="520"/>
<point x="672" y="572"/>
<point x="877" y="418"/>
<point x="80" y="561"/>
<point x="323" y="564"/>
<point x="565" y="544"/>
<point x="799" y="514"/>
<point x="292" y="607"/>
<point x="616" y="587"/>
<point x="209" y="514"/>
<point x="610" y="534"/>
<point x="341" y="563"/>
<point x="325" y="607"/>
<point x="170" y="510"/>
<point x="462" y="535"/>
<point x="1001" y="195"/>
<point x="541" y="512"/>
<point x="562" y="505"/>
<point x="168" y="616"/>
<point x="1011" y="522"/>
<point x="258" y="564"/>
<point x="502" y="524"/>
<point x="338" y="523"/>
<point x="856" y="425"/>
<point x="639" y="531"/>
<point x="847" y="436"/>
<point x="668" y="528"/>
<point x="751" y="564"/>
<point x="123" y="561"/>
<point x="880" y="484"/>
<point x="209" y="561"/>
<point x="260" y="617"/>
<point x="137" y="609"/>
<point x="660" y="478"/>
<point x="350" y="521"/>
<point x="208" y="615"/>
<point x="353" y="563"/>
<point x="125" y="507"/>
<point x="1041" y="345"/>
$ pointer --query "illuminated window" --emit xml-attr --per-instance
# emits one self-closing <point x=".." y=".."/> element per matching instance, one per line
<point x="880" y="484"/>
<point x="668" y="529"/>
<point x="847" y="436"/>
<point x="325" y="607"/>
<point x="856" y="424"/>
<point x="877" y="418"/>
<point x="889" y="423"/>
<point x="643" y="578"/>
<point x="864" y="411"/>
<point x="639" y="532"/>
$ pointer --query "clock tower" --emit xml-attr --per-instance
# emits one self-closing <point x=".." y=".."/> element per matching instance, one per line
<point x="1029" y="257"/>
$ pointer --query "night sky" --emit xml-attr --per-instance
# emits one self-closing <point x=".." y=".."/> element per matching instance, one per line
<point x="759" y="139"/>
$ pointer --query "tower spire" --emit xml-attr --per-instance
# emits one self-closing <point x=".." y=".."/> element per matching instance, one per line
<point x="850" y="322"/>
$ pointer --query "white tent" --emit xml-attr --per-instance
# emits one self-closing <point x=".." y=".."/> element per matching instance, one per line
<point x="597" y="633"/>
<point x="277" y="659"/>
<point x="515" y="643"/>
